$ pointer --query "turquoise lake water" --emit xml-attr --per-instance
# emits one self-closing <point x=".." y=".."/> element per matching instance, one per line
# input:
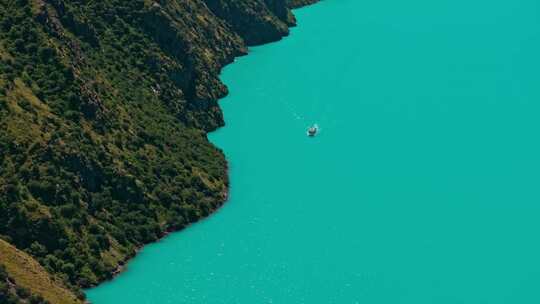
<point x="423" y="185"/>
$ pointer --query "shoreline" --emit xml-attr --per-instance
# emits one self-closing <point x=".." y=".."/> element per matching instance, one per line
<point x="123" y="264"/>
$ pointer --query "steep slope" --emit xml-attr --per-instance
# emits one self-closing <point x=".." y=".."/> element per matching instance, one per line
<point x="104" y="109"/>
<point x="256" y="21"/>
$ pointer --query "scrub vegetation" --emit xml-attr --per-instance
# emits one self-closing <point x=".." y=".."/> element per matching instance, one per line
<point x="104" y="110"/>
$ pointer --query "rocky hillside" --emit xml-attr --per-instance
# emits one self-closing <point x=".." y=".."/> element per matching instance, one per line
<point x="104" y="110"/>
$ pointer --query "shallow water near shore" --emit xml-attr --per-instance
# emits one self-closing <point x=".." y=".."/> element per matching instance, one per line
<point x="423" y="185"/>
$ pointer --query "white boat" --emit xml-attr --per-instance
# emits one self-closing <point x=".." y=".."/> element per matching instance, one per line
<point x="313" y="130"/>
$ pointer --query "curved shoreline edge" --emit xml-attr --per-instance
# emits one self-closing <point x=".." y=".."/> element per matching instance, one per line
<point x="106" y="108"/>
<point x="123" y="265"/>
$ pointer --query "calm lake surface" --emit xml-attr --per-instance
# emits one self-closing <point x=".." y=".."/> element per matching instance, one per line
<point x="423" y="185"/>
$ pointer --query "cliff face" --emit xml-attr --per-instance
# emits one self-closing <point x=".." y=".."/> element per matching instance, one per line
<point x="104" y="109"/>
<point x="256" y="21"/>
